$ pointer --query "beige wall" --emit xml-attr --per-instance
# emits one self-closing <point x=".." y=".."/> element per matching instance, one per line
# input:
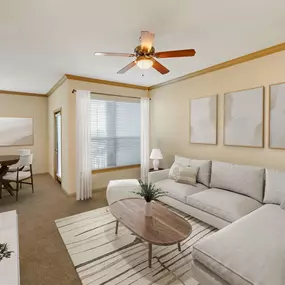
<point x="170" y="112"/>
<point x="59" y="100"/>
<point x="29" y="106"/>
<point x="65" y="99"/>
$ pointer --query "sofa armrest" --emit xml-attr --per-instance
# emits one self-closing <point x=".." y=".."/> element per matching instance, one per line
<point x="156" y="176"/>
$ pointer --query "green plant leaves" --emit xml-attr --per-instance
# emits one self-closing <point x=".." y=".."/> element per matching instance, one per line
<point x="149" y="192"/>
<point x="4" y="252"/>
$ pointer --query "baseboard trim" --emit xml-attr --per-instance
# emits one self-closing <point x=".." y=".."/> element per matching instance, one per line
<point x="72" y="194"/>
<point x="96" y="190"/>
<point x="101" y="189"/>
<point x="61" y="188"/>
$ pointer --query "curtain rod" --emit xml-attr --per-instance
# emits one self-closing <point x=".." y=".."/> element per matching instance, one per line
<point x="112" y="95"/>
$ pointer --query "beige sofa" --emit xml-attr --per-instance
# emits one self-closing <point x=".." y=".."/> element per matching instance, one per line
<point x="250" y="248"/>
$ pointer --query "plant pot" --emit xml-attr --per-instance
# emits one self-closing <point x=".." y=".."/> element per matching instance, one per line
<point x="148" y="209"/>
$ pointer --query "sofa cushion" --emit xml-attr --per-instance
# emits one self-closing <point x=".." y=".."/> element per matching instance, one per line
<point x="174" y="170"/>
<point x="177" y="170"/>
<point x="186" y="180"/>
<point x="184" y="161"/>
<point x="274" y="187"/>
<point x="249" y="251"/>
<point x="204" y="173"/>
<point x="179" y="191"/>
<point x="223" y="204"/>
<point x="188" y="175"/>
<point x="247" y="180"/>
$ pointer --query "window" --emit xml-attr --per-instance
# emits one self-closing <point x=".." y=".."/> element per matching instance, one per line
<point x="115" y="133"/>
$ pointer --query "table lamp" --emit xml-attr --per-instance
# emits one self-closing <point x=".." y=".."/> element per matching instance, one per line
<point x="156" y="156"/>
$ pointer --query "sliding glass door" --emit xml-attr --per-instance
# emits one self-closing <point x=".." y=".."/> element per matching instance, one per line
<point x="57" y="145"/>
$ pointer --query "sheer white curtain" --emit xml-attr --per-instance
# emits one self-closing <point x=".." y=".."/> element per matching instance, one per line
<point x="83" y="141"/>
<point x="144" y="138"/>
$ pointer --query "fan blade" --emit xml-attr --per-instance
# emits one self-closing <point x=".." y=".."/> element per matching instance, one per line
<point x="114" y="54"/>
<point x="146" y="40"/>
<point x="159" y="67"/>
<point x="126" y="68"/>
<point x="175" y="53"/>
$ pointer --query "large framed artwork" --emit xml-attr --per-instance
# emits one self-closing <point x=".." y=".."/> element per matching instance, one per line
<point x="244" y="118"/>
<point x="16" y="131"/>
<point x="203" y="120"/>
<point x="277" y="116"/>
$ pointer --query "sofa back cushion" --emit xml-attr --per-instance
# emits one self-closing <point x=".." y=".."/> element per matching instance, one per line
<point x="204" y="173"/>
<point x="183" y="161"/>
<point x="274" y="187"/>
<point x="246" y="180"/>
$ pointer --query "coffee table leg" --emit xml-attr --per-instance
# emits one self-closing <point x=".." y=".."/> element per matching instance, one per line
<point x="149" y="254"/>
<point x="117" y="225"/>
<point x="179" y="246"/>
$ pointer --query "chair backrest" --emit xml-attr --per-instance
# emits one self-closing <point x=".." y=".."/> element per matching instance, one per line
<point x="24" y="151"/>
<point x="25" y="160"/>
<point x="31" y="158"/>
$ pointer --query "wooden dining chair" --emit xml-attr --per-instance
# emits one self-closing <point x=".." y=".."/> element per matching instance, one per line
<point x="20" y="176"/>
<point x="21" y="152"/>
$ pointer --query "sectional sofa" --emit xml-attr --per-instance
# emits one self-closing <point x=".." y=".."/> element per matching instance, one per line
<point x="245" y="203"/>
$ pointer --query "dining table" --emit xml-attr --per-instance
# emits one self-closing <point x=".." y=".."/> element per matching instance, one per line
<point x="5" y="162"/>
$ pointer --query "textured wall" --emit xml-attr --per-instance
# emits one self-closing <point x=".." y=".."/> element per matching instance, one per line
<point x="170" y="112"/>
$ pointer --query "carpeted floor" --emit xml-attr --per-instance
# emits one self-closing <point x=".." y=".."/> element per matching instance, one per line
<point x="43" y="256"/>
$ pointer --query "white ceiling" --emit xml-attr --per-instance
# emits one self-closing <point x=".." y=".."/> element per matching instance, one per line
<point x="40" y="40"/>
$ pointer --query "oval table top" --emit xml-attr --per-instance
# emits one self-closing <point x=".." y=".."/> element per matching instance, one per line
<point x="163" y="228"/>
<point x="9" y="159"/>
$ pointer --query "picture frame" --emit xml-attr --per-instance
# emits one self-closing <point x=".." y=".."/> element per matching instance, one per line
<point x="276" y="139"/>
<point x="16" y="131"/>
<point x="243" y="124"/>
<point x="204" y="120"/>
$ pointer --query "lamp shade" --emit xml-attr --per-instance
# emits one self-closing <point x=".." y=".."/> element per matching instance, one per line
<point x="144" y="63"/>
<point x="156" y="154"/>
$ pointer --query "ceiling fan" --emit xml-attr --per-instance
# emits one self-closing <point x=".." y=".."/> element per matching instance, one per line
<point x="145" y="55"/>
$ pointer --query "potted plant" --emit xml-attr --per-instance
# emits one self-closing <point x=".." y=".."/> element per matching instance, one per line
<point x="150" y="193"/>
<point x="4" y="251"/>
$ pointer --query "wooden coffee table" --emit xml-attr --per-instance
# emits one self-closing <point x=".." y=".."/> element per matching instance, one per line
<point x="163" y="228"/>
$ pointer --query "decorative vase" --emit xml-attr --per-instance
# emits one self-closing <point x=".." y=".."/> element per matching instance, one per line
<point x="148" y="209"/>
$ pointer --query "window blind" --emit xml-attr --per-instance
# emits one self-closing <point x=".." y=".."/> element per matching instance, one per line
<point x="115" y="133"/>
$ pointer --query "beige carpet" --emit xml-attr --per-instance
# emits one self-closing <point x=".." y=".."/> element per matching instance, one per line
<point x="43" y="256"/>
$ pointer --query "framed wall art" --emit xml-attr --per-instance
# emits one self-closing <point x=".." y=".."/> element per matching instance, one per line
<point x="203" y="120"/>
<point x="244" y="118"/>
<point x="277" y="116"/>
<point x="16" y="131"/>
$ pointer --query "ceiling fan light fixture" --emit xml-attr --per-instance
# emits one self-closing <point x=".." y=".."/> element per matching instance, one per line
<point x="144" y="63"/>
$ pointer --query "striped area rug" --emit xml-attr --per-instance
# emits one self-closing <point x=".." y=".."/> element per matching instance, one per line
<point x="102" y="258"/>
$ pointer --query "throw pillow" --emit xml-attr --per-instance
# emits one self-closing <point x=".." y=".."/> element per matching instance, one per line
<point x="189" y="171"/>
<point x="186" y="180"/>
<point x="174" y="170"/>
<point x="187" y="175"/>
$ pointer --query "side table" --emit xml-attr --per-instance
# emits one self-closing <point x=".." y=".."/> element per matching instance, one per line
<point x="152" y="170"/>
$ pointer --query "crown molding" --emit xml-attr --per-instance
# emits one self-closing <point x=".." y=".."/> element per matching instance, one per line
<point x="22" y="93"/>
<point x="56" y="85"/>
<point x="106" y="82"/>
<point x="226" y="64"/>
